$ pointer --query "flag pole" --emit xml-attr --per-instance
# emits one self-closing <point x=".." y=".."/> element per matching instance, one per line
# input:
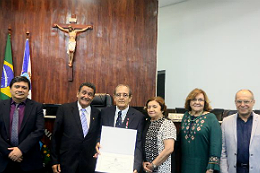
<point x="27" y="34"/>
<point x="9" y="31"/>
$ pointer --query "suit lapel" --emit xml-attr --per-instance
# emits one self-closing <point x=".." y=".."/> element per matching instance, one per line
<point x="6" y="115"/>
<point x="234" y="127"/>
<point x="75" y="114"/>
<point x="93" y="114"/>
<point x="111" y="116"/>
<point x="254" y="126"/>
<point x="128" y="118"/>
<point x="27" y="113"/>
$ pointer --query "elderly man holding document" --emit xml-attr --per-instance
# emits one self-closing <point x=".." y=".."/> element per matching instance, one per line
<point x="124" y="116"/>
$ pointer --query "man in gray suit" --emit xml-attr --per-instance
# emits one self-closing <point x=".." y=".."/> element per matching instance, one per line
<point x="241" y="137"/>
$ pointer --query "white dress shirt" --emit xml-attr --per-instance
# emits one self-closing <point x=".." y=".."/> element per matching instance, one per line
<point x="124" y="112"/>
<point x="88" y="110"/>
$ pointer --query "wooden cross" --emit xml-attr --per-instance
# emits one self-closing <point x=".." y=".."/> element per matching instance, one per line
<point x="72" y="29"/>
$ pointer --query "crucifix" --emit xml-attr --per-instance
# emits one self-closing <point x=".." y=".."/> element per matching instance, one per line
<point x="72" y="29"/>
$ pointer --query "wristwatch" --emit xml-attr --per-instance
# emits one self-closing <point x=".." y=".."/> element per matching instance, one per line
<point x="154" y="166"/>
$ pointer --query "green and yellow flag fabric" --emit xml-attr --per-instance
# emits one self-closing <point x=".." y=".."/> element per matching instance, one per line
<point x="8" y="71"/>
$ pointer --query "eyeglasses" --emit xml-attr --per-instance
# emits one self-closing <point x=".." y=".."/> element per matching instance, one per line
<point x="246" y="102"/>
<point x="195" y="100"/>
<point x="122" y="94"/>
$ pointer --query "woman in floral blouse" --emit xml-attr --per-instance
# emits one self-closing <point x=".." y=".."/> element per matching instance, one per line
<point x="200" y="135"/>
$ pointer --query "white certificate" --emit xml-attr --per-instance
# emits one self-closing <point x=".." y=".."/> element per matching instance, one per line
<point x="117" y="150"/>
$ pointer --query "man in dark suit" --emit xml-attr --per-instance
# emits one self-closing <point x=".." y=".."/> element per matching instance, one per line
<point x="21" y="128"/>
<point x="75" y="133"/>
<point x="124" y="116"/>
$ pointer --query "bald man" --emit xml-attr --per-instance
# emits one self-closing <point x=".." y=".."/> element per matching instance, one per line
<point x="241" y="137"/>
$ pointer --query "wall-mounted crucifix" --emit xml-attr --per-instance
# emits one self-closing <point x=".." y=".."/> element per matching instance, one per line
<point x="72" y="29"/>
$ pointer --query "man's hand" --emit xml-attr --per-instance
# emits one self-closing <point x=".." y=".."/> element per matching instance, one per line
<point x="147" y="167"/>
<point x="97" y="150"/>
<point x="20" y="159"/>
<point x="15" y="154"/>
<point x="56" y="168"/>
<point x="135" y="171"/>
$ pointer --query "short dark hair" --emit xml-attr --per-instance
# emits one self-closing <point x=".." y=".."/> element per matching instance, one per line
<point x="161" y="102"/>
<point x="130" y="91"/>
<point x="88" y="84"/>
<point x="20" y="79"/>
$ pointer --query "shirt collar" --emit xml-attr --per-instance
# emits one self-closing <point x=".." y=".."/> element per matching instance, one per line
<point x="88" y="109"/>
<point x="250" y="117"/>
<point x="124" y="111"/>
<point x="14" y="103"/>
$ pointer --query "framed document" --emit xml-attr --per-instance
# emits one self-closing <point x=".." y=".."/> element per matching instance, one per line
<point x="117" y="150"/>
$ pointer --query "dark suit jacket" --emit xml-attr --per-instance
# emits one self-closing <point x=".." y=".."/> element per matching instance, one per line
<point x="68" y="146"/>
<point x="31" y="131"/>
<point x="135" y="121"/>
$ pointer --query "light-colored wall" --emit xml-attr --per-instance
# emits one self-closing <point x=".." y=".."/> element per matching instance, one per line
<point x="213" y="45"/>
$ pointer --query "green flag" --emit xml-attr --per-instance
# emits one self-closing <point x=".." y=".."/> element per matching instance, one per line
<point x="8" y="71"/>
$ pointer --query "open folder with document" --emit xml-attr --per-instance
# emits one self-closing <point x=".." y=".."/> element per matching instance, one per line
<point x="117" y="150"/>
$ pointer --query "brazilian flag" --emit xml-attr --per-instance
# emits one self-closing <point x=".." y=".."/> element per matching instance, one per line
<point x="8" y="71"/>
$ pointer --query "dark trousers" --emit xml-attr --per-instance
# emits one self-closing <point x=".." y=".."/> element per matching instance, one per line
<point x="242" y="169"/>
<point x="14" y="167"/>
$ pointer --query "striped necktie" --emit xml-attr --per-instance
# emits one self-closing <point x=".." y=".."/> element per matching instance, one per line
<point x="84" y="122"/>
<point x="119" y="119"/>
<point x="14" y="131"/>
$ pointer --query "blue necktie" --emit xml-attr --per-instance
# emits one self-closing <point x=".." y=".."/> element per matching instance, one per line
<point x="84" y="122"/>
<point x="119" y="119"/>
<point x="14" y="132"/>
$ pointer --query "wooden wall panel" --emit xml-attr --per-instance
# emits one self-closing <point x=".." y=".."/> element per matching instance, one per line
<point x="121" y="48"/>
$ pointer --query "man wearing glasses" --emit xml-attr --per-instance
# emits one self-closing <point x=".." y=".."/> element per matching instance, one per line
<point x="241" y="137"/>
<point x="124" y="116"/>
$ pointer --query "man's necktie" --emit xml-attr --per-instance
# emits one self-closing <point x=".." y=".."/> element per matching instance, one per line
<point x="119" y="119"/>
<point x="84" y="122"/>
<point x="14" y="131"/>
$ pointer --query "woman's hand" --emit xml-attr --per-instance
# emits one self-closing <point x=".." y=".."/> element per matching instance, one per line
<point x="147" y="167"/>
<point x="210" y="171"/>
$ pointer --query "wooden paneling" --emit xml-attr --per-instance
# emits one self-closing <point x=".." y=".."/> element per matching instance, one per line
<point x="121" y="48"/>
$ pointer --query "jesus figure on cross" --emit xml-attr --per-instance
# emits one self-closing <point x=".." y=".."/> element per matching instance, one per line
<point x="72" y="39"/>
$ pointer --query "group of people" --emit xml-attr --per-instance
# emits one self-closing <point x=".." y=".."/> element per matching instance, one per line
<point x="230" y="148"/>
<point x="205" y="145"/>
